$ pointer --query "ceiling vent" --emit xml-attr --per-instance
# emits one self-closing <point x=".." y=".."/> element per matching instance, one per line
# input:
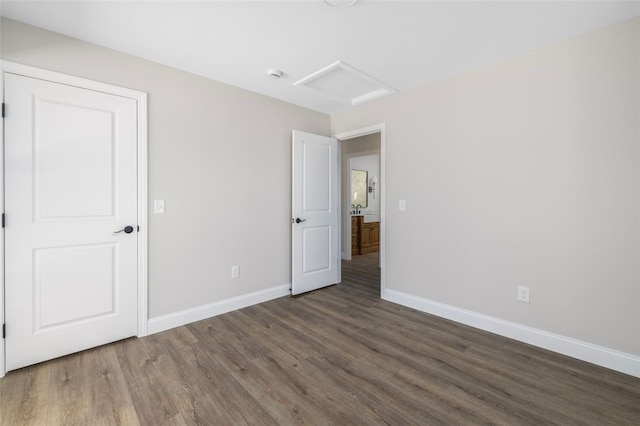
<point x="344" y="84"/>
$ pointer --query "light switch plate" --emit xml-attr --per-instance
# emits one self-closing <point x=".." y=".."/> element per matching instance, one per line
<point x="158" y="206"/>
<point x="402" y="205"/>
<point x="523" y="294"/>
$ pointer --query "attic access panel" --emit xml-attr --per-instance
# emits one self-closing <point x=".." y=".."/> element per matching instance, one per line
<point x="344" y="84"/>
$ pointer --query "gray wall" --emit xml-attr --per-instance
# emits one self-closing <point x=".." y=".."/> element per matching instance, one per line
<point x="526" y="172"/>
<point x="219" y="156"/>
<point x="360" y="144"/>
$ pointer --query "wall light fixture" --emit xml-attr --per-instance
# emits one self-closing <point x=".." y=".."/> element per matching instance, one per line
<point x="372" y="186"/>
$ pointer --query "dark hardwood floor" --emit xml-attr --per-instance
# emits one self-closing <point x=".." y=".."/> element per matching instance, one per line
<point x="336" y="356"/>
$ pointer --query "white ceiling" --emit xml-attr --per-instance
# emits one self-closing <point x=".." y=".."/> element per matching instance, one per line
<point x="405" y="44"/>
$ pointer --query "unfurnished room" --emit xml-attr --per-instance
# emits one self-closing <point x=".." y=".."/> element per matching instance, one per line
<point x="321" y="212"/>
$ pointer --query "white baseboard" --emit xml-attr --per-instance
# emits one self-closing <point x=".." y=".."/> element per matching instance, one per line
<point x="604" y="357"/>
<point x="166" y="322"/>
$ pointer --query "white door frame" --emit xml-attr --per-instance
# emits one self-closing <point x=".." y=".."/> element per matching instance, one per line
<point x="142" y="184"/>
<point x="376" y="128"/>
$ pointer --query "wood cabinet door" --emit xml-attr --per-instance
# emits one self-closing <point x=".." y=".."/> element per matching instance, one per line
<point x="375" y="235"/>
<point x="365" y="236"/>
<point x="355" y="235"/>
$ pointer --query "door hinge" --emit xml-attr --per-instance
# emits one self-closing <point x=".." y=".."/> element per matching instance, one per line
<point x="3" y="110"/>
<point x="4" y="331"/>
<point x="3" y="220"/>
<point x="138" y="228"/>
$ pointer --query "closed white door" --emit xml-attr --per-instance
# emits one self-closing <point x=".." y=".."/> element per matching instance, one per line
<point x="315" y="191"/>
<point x="70" y="167"/>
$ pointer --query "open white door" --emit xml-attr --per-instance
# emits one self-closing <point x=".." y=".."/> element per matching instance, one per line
<point x="71" y="184"/>
<point x="315" y="259"/>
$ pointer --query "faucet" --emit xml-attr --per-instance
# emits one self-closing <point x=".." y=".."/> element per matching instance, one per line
<point x="353" y="209"/>
<point x="358" y="207"/>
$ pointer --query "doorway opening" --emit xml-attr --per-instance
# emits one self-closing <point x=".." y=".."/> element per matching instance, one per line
<point x="362" y="210"/>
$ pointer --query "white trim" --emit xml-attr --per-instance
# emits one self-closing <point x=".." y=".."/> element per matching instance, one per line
<point x="360" y="132"/>
<point x="187" y="316"/>
<point x="142" y="189"/>
<point x="143" y="216"/>
<point x="376" y="128"/>
<point x="339" y="210"/>
<point x="56" y="77"/>
<point x="604" y="357"/>
<point x="2" y="348"/>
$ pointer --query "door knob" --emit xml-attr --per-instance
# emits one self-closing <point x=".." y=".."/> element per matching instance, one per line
<point x="298" y="220"/>
<point x="127" y="230"/>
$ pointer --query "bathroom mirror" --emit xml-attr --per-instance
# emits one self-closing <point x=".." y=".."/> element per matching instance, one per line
<point x="359" y="188"/>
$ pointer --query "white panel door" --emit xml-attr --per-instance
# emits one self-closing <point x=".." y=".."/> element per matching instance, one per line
<point x="315" y="191"/>
<point x="70" y="168"/>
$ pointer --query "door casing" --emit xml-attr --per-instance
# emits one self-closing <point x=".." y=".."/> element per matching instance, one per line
<point x="142" y="182"/>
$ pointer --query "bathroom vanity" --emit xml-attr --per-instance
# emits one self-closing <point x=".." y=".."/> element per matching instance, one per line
<point x="365" y="235"/>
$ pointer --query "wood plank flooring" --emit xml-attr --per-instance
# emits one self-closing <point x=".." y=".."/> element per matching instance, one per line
<point x="337" y="356"/>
